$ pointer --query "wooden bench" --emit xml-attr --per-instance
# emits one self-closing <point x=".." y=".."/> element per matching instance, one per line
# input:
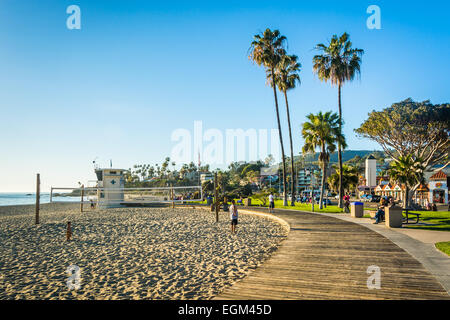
<point x="407" y="213"/>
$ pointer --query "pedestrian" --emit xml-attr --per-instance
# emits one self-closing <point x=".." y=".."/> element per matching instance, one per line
<point x="347" y="203"/>
<point x="271" y="203"/>
<point x="379" y="216"/>
<point x="69" y="231"/>
<point x="233" y="216"/>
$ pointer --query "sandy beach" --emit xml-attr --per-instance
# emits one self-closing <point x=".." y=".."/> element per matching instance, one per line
<point x="129" y="253"/>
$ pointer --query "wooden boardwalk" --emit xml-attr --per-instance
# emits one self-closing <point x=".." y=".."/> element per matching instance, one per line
<point x="327" y="258"/>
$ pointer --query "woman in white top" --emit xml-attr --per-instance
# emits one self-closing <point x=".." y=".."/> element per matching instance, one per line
<point x="271" y="203"/>
<point x="233" y="216"/>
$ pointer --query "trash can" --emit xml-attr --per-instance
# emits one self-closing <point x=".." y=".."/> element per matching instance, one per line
<point x="393" y="216"/>
<point x="208" y="201"/>
<point x="357" y="209"/>
<point x="248" y="202"/>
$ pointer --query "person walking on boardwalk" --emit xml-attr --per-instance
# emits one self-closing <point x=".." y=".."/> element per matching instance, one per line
<point x="347" y="203"/>
<point x="233" y="216"/>
<point x="271" y="203"/>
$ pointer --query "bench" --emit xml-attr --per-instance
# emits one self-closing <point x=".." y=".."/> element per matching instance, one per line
<point x="407" y="213"/>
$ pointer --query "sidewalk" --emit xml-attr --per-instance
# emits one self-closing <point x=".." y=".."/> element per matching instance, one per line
<point x="425" y="236"/>
<point x="417" y="242"/>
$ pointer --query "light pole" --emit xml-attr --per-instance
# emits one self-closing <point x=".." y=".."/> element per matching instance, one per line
<point x="312" y="190"/>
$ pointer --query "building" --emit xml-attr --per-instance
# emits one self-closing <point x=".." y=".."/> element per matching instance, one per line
<point x="110" y="183"/>
<point x="371" y="172"/>
<point x="438" y="188"/>
<point x="206" y="176"/>
<point x="305" y="177"/>
<point x="192" y="175"/>
<point x="386" y="189"/>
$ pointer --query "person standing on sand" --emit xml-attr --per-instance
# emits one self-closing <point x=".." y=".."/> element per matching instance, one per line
<point x="233" y="216"/>
<point x="69" y="231"/>
<point x="271" y="203"/>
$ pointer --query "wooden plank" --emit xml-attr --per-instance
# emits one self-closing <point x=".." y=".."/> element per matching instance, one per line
<point x="327" y="258"/>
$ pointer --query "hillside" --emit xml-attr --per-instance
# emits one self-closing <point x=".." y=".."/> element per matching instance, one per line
<point x="346" y="155"/>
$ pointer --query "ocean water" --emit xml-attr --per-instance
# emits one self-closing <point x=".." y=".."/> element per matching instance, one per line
<point x="19" y="198"/>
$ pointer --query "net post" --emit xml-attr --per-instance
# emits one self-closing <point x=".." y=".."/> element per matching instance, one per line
<point x="216" y="196"/>
<point x="82" y="198"/>
<point x="38" y="195"/>
<point x="172" y="192"/>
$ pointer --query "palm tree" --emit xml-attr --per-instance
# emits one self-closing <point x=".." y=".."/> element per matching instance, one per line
<point x="267" y="49"/>
<point x="409" y="171"/>
<point x="338" y="63"/>
<point x="321" y="131"/>
<point x="286" y="77"/>
<point x="350" y="177"/>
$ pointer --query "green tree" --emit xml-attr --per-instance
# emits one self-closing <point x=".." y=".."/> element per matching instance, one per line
<point x="321" y="131"/>
<point x="338" y="63"/>
<point x="267" y="49"/>
<point x="286" y="77"/>
<point x="409" y="171"/>
<point x="350" y="178"/>
<point x="413" y="128"/>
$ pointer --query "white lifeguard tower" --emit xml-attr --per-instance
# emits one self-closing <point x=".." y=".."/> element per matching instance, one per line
<point x="110" y="184"/>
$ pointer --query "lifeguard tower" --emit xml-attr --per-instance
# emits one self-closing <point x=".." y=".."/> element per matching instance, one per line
<point x="110" y="188"/>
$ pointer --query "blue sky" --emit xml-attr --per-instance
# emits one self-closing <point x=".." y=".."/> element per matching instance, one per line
<point x="138" y="70"/>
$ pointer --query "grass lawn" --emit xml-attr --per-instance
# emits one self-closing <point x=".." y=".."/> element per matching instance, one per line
<point x="435" y="220"/>
<point x="444" y="247"/>
<point x="299" y="206"/>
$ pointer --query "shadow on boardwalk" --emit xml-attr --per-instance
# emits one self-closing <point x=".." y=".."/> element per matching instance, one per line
<point x="327" y="258"/>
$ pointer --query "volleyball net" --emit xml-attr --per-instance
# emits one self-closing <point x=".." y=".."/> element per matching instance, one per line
<point x="126" y="196"/>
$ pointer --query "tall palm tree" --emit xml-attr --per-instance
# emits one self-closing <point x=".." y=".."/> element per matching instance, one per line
<point x="267" y="49"/>
<point x="321" y="132"/>
<point x="286" y="77"/>
<point x="338" y="63"/>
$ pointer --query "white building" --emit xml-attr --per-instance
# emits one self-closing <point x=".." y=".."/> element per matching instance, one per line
<point x="110" y="183"/>
<point x="206" y="176"/>
<point x="371" y="172"/>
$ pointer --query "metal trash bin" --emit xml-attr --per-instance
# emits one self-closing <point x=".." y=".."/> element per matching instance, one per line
<point x="357" y="209"/>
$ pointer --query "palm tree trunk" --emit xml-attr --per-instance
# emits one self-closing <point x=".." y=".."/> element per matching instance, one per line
<point x="341" y="194"/>
<point x="285" y="202"/>
<point x="292" y="152"/>
<point x="406" y="199"/>
<point x="324" y="172"/>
